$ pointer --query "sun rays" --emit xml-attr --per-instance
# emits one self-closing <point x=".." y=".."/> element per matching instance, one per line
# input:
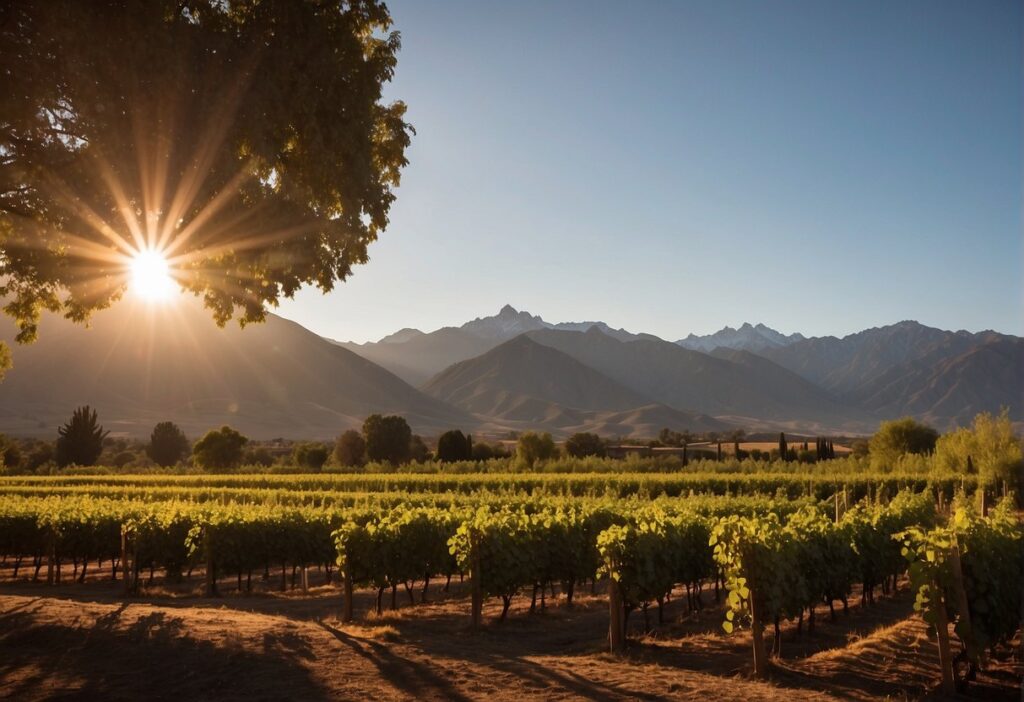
<point x="151" y="276"/>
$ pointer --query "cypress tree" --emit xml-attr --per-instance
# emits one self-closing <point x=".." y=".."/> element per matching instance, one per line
<point x="783" y="449"/>
<point x="684" y="454"/>
<point x="719" y="450"/>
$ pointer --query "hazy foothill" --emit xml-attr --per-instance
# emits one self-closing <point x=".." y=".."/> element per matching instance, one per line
<point x="214" y="483"/>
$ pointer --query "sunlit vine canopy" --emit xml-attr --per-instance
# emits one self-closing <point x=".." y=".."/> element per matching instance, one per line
<point x="247" y="143"/>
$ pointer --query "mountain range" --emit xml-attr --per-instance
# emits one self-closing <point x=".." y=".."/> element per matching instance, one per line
<point x="513" y="371"/>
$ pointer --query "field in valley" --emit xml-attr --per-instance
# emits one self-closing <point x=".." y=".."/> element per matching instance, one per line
<point x="131" y="617"/>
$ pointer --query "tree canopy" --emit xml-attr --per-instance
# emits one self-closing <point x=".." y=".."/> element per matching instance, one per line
<point x="533" y="448"/>
<point x="167" y="444"/>
<point x="350" y="449"/>
<point x="990" y="443"/>
<point x="453" y="445"/>
<point x="585" y="444"/>
<point x="80" y="440"/>
<point x="898" y="438"/>
<point x="388" y="438"/>
<point x="219" y="449"/>
<point x="247" y="142"/>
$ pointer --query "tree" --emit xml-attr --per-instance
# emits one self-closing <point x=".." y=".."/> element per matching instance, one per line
<point x="245" y="140"/>
<point x="534" y="447"/>
<point x="219" y="449"/>
<point x="898" y="438"/>
<point x="585" y="444"/>
<point x="454" y="446"/>
<point x="418" y="451"/>
<point x="989" y="447"/>
<point x="167" y="444"/>
<point x="80" y="441"/>
<point x="258" y="456"/>
<point x="311" y="456"/>
<point x="485" y="452"/>
<point x="387" y="438"/>
<point x="783" y="448"/>
<point x="350" y="449"/>
<point x="10" y="453"/>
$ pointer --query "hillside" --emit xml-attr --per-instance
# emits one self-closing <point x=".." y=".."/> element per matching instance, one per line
<point x="522" y="382"/>
<point x="733" y="383"/>
<point x="986" y="377"/>
<point x="139" y="365"/>
<point x="521" y="370"/>
<point x="845" y="364"/>
<point x="416" y="356"/>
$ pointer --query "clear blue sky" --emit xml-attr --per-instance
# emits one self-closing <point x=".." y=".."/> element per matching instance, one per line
<point x="673" y="167"/>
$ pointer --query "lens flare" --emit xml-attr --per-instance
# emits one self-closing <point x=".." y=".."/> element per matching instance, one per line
<point x="151" y="276"/>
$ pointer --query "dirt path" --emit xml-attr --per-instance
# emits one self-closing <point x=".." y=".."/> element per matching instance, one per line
<point x="84" y="642"/>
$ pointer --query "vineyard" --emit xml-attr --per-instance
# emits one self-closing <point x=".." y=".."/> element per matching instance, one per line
<point x="761" y="550"/>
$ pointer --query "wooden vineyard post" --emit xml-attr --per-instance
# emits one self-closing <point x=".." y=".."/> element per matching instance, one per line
<point x="346" y="611"/>
<point x="51" y="555"/>
<point x="126" y="573"/>
<point x="616" y="635"/>
<point x="476" y="587"/>
<point x="211" y="575"/>
<point x="942" y="631"/>
<point x="961" y="601"/>
<point x="837" y="507"/>
<point x="757" y="634"/>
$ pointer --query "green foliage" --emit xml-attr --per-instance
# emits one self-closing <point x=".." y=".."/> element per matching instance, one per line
<point x="533" y="448"/>
<point x="167" y="444"/>
<point x="258" y="456"/>
<point x="653" y="552"/>
<point x="453" y="445"/>
<point x="350" y="449"/>
<point x="239" y="116"/>
<point x="219" y="449"/>
<point x="584" y="444"/>
<point x="898" y="438"/>
<point x="991" y="554"/>
<point x="10" y="454"/>
<point x="80" y="441"/>
<point x="989" y="445"/>
<point x="310" y="456"/>
<point x="759" y="559"/>
<point x="418" y="451"/>
<point x="387" y="438"/>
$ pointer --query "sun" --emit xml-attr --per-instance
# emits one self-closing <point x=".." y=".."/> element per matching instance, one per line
<point x="151" y="276"/>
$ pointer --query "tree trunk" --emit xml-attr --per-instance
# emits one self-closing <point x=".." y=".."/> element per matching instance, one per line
<point x="211" y="567"/>
<point x="125" y="572"/>
<point x="942" y="631"/>
<point x="51" y="557"/>
<point x="476" y="589"/>
<point x="346" y="611"/>
<point x="777" y="639"/>
<point x="616" y="623"/>
<point x="757" y="635"/>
